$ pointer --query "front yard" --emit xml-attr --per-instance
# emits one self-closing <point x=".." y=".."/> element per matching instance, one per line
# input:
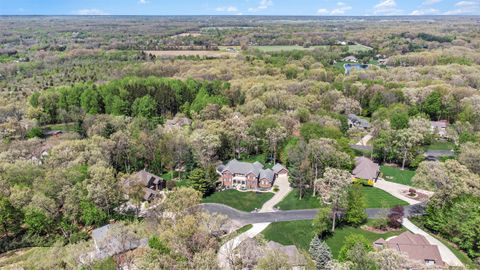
<point x="374" y="197"/>
<point x="244" y="201"/>
<point x="397" y="175"/>
<point x="300" y="233"/>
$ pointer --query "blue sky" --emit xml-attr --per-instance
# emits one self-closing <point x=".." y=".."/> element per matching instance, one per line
<point x="240" y="7"/>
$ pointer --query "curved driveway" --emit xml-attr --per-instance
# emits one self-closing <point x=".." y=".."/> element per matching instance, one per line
<point x="290" y="215"/>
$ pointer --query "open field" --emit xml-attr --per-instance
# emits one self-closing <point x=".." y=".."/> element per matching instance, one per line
<point x="278" y="48"/>
<point x="244" y="201"/>
<point x="199" y="53"/>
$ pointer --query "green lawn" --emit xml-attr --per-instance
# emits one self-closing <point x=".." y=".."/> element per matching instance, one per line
<point x="374" y="197"/>
<point x="377" y="198"/>
<point x="335" y="242"/>
<point x="244" y="229"/>
<point x="397" y="175"/>
<point x="439" y="145"/>
<point x="244" y="201"/>
<point x="63" y="127"/>
<point x="291" y="201"/>
<point x="300" y="233"/>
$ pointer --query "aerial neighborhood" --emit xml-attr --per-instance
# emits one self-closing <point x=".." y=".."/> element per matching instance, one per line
<point x="240" y="138"/>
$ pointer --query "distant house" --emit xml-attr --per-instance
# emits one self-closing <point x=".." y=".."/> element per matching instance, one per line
<point x="416" y="247"/>
<point x="350" y="58"/>
<point x="439" y="127"/>
<point x="177" y="122"/>
<point x="249" y="175"/>
<point x="150" y="183"/>
<point x="54" y="133"/>
<point x="355" y="121"/>
<point x="366" y="169"/>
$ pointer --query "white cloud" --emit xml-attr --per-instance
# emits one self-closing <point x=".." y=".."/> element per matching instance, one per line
<point x="264" y="4"/>
<point x="90" y="11"/>
<point x="143" y="1"/>
<point x="386" y="7"/>
<point x="227" y="9"/>
<point x="340" y="9"/>
<point x="322" y="11"/>
<point x="465" y="7"/>
<point x="428" y="11"/>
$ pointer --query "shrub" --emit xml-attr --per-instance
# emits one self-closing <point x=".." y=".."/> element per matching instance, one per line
<point x="276" y="188"/>
<point x="380" y="224"/>
<point x="35" y="132"/>
<point x="412" y="192"/>
<point x="395" y="217"/>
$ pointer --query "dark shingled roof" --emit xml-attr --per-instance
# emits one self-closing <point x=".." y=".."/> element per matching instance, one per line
<point x="278" y="167"/>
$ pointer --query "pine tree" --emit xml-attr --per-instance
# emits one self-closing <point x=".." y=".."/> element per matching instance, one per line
<point x="356" y="214"/>
<point x="320" y="252"/>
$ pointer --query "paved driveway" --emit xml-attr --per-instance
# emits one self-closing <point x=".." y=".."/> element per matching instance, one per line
<point x="283" y="190"/>
<point x="397" y="190"/>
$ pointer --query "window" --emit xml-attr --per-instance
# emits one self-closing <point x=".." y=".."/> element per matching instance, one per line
<point x="429" y="262"/>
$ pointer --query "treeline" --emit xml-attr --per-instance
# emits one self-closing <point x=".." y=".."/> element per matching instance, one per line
<point x="132" y="96"/>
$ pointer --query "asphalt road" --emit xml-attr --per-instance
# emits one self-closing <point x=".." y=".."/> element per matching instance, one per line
<point x="290" y="215"/>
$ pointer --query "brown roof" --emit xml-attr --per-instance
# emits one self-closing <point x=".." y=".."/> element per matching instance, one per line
<point x="365" y="168"/>
<point x="415" y="246"/>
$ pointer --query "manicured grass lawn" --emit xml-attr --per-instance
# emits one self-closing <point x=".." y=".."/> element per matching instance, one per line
<point x="300" y="233"/>
<point x="244" y="201"/>
<point x="291" y="201"/>
<point x="374" y="197"/>
<point x="377" y="198"/>
<point x="397" y="175"/>
<point x="439" y="145"/>
<point x="462" y="256"/>
<point x="63" y="127"/>
<point x="335" y="242"/>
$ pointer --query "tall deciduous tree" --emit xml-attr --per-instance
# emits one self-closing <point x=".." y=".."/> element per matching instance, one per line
<point x="275" y="136"/>
<point x="356" y="206"/>
<point x="406" y="140"/>
<point x="333" y="188"/>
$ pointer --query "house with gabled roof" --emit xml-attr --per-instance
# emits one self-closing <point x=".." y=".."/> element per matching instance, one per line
<point x="150" y="183"/>
<point x="415" y="246"/>
<point x="366" y="169"/>
<point x="249" y="175"/>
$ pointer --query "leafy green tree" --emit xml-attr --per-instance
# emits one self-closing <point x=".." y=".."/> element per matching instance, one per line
<point x="10" y="217"/>
<point x="320" y="253"/>
<point x="356" y="206"/>
<point x="90" y="101"/>
<point x="350" y="243"/>
<point x="399" y="119"/>
<point x="323" y="221"/>
<point x="145" y="106"/>
<point x="433" y="105"/>
<point x="91" y="214"/>
<point x="35" y="132"/>
<point x="37" y="222"/>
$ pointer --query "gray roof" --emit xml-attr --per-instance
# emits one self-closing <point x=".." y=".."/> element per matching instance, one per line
<point x="439" y="124"/>
<point x="365" y="168"/>
<point x="239" y="167"/>
<point x="358" y="121"/>
<point x="278" y="167"/>
<point x="267" y="174"/>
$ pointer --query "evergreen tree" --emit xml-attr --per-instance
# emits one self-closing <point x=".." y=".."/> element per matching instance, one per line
<point x="320" y="253"/>
<point x="356" y="214"/>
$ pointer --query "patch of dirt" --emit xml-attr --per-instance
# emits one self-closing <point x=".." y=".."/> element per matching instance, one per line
<point x="418" y="196"/>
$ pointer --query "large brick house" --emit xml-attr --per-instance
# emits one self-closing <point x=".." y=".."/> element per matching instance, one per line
<point x="249" y="175"/>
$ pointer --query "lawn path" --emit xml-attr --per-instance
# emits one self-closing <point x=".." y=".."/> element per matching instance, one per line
<point x="225" y="252"/>
<point x="447" y="255"/>
<point x="397" y="190"/>
<point x="364" y="141"/>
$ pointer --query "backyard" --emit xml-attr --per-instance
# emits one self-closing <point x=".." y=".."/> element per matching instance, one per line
<point x="243" y="201"/>
<point x="397" y="175"/>
<point x="300" y="233"/>
<point x="374" y="198"/>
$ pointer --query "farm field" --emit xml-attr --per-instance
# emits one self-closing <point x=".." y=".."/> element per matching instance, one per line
<point x="199" y="53"/>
